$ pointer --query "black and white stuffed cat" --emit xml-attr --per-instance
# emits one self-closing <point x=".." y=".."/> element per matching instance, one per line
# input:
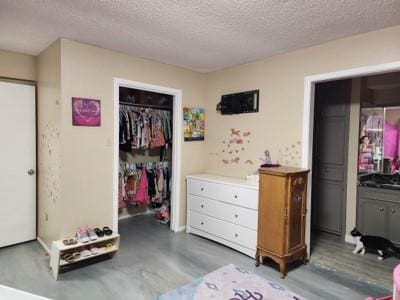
<point x="379" y="244"/>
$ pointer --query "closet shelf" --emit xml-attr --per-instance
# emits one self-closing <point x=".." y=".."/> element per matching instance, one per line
<point x="146" y="105"/>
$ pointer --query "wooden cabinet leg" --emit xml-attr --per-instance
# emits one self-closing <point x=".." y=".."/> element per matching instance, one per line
<point x="257" y="258"/>
<point x="282" y="268"/>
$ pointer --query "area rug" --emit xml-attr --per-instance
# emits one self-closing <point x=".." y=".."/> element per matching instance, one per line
<point x="231" y="283"/>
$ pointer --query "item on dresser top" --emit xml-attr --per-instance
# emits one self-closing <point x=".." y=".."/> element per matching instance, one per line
<point x="143" y="128"/>
<point x="270" y="165"/>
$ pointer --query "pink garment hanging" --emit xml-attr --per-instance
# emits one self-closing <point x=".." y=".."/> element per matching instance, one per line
<point x="121" y="193"/>
<point x="142" y="196"/>
<point x="390" y="140"/>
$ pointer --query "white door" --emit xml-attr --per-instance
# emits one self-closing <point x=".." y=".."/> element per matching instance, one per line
<point x="17" y="163"/>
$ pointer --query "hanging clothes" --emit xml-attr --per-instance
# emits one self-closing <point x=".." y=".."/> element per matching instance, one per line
<point x="143" y="184"/>
<point x="142" y="196"/>
<point x="143" y="128"/>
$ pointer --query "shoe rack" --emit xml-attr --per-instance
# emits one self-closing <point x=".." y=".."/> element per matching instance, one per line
<point x="106" y="245"/>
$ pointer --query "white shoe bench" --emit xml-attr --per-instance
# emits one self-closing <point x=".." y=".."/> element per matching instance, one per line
<point x="58" y="249"/>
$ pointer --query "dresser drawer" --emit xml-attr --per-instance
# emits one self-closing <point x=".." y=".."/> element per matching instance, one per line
<point x="247" y="198"/>
<point x="202" y="188"/>
<point x="227" y="212"/>
<point x="228" y="231"/>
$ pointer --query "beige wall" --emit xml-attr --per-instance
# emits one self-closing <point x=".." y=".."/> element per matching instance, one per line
<point x="18" y="66"/>
<point x="88" y="71"/>
<point x="278" y="125"/>
<point x="49" y="154"/>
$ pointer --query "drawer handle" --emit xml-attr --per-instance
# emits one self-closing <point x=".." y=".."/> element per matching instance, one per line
<point x="235" y="196"/>
<point x="201" y="189"/>
<point x="326" y="170"/>
<point x="381" y="209"/>
<point x="393" y="211"/>
<point x="202" y="223"/>
<point x="202" y="206"/>
<point x="236" y="216"/>
<point x="236" y="235"/>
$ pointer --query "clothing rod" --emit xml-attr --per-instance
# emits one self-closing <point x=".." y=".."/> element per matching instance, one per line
<point x="145" y="105"/>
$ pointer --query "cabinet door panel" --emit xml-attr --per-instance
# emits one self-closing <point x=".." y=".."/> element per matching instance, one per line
<point x="328" y="203"/>
<point x="331" y="130"/>
<point x="394" y="223"/>
<point x="373" y="218"/>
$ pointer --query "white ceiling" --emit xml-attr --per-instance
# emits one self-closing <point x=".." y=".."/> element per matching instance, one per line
<point x="201" y="35"/>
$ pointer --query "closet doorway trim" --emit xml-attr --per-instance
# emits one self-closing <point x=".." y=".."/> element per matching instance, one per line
<point x="308" y="120"/>
<point x="176" y="149"/>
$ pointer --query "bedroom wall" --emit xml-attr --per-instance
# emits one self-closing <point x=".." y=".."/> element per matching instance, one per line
<point x="88" y="71"/>
<point x="278" y="125"/>
<point x="49" y="142"/>
<point x="17" y="65"/>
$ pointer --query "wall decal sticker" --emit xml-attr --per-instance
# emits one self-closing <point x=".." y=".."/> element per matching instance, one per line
<point x="235" y="132"/>
<point x="235" y="160"/>
<point x="234" y="146"/>
<point x="247" y="133"/>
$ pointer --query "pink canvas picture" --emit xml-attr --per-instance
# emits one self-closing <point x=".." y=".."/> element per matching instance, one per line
<point x="85" y="112"/>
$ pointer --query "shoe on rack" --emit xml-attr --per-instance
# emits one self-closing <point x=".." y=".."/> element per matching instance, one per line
<point x="107" y="231"/>
<point x="99" y="232"/>
<point x="91" y="233"/>
<point x="82" y="235"/>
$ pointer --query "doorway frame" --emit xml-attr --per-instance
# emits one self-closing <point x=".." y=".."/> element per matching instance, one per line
<point x="308" y="119"/>
<point x="176" y="149"/>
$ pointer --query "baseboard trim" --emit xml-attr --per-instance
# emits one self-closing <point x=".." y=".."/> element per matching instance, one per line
<point x="349" y="239"/>
<point x="180" y="229"/>
<point x="43" y="244"/>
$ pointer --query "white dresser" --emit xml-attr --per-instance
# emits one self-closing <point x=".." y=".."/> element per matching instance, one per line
<point x="223" y="209"/>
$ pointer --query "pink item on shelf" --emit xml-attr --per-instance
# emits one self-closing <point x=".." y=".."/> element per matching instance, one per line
<point x="391" y="140"/>
<point x="396" y="283"/>
<point x="142" y="196"/>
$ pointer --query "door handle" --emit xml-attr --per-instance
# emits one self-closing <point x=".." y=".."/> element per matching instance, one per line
<point x="31" y="172"/>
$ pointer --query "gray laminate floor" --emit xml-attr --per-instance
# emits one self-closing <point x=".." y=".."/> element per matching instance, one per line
<point x="153" y="260"/>
<point x="329" y="251"/>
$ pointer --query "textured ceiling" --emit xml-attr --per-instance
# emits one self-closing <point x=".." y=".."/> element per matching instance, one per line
<point x="201" y="35"/>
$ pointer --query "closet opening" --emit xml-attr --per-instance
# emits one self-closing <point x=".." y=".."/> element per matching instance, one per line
<point x="146" y="153"/>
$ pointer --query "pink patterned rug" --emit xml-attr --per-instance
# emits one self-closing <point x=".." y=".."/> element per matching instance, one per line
<point x="231" y="283"/>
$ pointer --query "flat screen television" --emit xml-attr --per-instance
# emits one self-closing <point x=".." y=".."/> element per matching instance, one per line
<point x="239" y="103"/>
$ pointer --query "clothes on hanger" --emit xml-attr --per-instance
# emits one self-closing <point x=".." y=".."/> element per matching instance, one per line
<point x="143" y="184"/>
<point x="143" y="128"/>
